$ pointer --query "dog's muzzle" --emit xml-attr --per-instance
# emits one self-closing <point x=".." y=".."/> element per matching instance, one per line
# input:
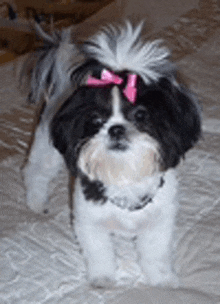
<point x="117" y="134"/>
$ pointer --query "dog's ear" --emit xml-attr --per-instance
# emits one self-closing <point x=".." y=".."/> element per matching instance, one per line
<point x="64" y="135"/>
<point x="68" y="126"/>
<point x="60" y="133"/>
<point x="175" y="118"/>
<point x="65" y="141"/>
<point x="184" y="117"/>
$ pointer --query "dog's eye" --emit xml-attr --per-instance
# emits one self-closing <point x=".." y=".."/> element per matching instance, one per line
<point x="140" y="115"/>
<point x="96" y="120"/>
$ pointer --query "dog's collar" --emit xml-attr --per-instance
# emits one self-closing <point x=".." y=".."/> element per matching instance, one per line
<point x="124" y="202"/>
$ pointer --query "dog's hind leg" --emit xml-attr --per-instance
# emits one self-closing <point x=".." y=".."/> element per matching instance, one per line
<point x="43" y="165"/>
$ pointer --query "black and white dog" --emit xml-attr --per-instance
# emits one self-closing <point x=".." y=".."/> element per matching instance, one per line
<point x="117" y="116"/>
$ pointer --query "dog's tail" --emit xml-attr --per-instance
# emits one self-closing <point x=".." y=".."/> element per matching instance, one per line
<point x="47" y="72"/>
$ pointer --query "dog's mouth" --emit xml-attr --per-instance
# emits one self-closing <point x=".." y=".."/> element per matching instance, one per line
<point x="118" y="145"/>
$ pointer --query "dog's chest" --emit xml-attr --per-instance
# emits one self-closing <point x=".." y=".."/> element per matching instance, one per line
<point x="128" y="196"/>
<point x="134" y="197"/>
<point x="127" y="222"/>
<point x="128" y="210"/>
<point x="113" y="207"/>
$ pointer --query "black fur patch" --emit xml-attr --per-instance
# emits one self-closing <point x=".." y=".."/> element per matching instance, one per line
<point x="93" y="190"/>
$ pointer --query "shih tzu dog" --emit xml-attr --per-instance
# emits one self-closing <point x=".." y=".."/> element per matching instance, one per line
<point x="117" y="116"/>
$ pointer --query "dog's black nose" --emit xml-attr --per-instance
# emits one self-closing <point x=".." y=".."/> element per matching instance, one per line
<point x="117" y="131"/>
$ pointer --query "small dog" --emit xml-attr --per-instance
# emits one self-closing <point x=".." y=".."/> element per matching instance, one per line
<point x="117" y="116"/>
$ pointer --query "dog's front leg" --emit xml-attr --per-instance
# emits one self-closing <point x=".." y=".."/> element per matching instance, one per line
<point x="99" y="255"/>
<point x="155" y="247"/>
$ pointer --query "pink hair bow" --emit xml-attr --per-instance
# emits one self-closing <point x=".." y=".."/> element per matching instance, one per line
<point x="108" y="77"/>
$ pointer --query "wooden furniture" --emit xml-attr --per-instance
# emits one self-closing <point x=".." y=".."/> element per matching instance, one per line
<point x="19" y="37"/>
<point x="77" y="11"/>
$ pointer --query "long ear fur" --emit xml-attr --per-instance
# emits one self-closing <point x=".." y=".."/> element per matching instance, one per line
<point x="175" y="117"/>
<point x="67" y="126"/>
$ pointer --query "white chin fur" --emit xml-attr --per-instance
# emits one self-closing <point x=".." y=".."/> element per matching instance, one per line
<point x="114" y="167"/>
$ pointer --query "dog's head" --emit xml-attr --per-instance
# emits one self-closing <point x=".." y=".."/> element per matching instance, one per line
<point x="117" y="130"/>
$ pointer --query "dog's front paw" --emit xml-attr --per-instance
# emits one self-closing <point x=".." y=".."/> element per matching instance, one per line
<point x="166" y="281"/>
<point x="102" y="282"/>
<point x="163" y="279"/>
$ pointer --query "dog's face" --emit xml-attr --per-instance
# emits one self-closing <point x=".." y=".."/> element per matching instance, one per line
<point x="108" y="138"/>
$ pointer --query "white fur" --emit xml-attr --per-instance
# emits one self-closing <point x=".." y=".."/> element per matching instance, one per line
<point x="121" y="48"/>
<point x="111" y="167"/>
<point x="153" y="226"/>
<point x="43" y="165"/>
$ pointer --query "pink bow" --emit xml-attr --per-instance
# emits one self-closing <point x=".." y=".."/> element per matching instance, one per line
<point x="108" y="77"/>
